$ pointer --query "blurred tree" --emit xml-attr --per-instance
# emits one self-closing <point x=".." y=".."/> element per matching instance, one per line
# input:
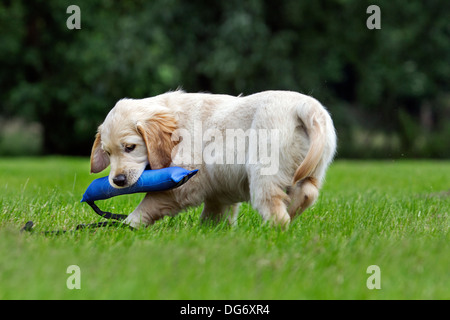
<point x="392" y="81"/>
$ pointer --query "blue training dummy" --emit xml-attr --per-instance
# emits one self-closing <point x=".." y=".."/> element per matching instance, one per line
<point x="150" y="180"/>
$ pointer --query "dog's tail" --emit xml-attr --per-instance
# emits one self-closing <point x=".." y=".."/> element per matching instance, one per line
<point x="322" y="138"/>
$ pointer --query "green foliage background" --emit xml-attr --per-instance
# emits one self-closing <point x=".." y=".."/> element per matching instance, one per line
<point x="387" y="90"/>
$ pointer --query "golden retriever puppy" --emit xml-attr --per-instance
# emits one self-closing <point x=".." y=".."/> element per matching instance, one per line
<point x="271" y="148"/>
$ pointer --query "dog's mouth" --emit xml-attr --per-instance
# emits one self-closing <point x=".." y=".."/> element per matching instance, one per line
<point x="126" y="181"/>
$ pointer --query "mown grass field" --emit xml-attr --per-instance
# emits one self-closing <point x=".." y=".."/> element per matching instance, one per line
<point x="393" y="214"/>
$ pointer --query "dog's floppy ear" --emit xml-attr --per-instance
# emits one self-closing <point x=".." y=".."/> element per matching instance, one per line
<point x="99" y="158"/>
<point x="157" y="134"/>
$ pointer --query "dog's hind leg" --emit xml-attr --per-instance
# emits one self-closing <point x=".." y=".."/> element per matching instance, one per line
<point x="270" y="201"/>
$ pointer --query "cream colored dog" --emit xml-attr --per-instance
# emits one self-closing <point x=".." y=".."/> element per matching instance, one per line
<point x="271" y="148"/>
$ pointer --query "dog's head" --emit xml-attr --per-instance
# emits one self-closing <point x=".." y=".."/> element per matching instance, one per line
<point x="132" y="137"/>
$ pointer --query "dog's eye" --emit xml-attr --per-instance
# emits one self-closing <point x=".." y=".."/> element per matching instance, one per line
<point x="129" y="147"/>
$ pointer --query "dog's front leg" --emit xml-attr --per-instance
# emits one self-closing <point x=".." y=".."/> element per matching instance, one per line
<point x="153" y="207"/>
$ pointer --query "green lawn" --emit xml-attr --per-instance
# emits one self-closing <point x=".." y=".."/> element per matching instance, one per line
<point x="393" y="214"/>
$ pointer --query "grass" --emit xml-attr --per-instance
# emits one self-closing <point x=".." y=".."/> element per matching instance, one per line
<point x="393" y="214"/>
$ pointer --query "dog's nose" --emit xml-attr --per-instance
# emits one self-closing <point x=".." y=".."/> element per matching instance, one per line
<point x="120" y="180"/>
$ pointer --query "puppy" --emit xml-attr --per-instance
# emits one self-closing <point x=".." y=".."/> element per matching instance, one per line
<point x="271" y="148"/>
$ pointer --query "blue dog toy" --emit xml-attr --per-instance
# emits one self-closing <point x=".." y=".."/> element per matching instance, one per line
<point x="150" y="180"/>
